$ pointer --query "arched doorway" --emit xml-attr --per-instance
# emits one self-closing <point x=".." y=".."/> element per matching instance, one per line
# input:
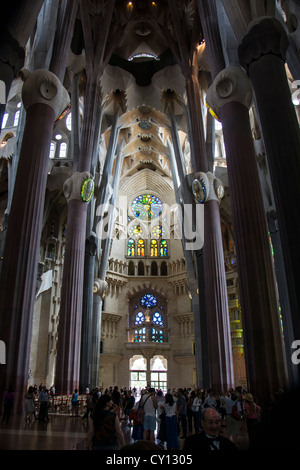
<point x="138" y="373"/>
<point x="159" y="373"/>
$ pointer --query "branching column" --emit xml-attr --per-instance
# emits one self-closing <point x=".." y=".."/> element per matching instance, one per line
<point x="230" y="96"/>
<point x="221" y="367"/>
<point x="262" y="54"/>
<point x="69" y="333"/>
<point x="44" y="99"/>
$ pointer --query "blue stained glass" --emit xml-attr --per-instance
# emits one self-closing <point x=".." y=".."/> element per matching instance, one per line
<point x="148" y="300"/>
<point x="147" y="207"/>
<point x="157" y="319"/>
<point x="139" y="318"/>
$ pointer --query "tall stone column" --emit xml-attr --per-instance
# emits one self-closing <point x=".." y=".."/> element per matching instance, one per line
<point x="195" y="274"/>
<point x="78" y="190"/>
<point x="230" y="96"/>
<point x="207" y="189"/>
<point x="100" y="288"/>
<point x="43" y="99"/>
<point x="262" y="54"/>
<point x="16" y="24"/>
<point x="68" y="350"/>
<point x="221" y="366"/>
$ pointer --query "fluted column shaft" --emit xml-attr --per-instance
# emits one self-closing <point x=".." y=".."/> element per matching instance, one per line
<point x="262" y="53"/>
<point x="42" y="96"/>
<point x="221" y="367"/>
<point x="231" y="97"/>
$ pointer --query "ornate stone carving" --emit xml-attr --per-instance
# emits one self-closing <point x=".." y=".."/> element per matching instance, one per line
<point x="73" y="186"/>
<point x="206" y="187"/>
<point x="100" y="287"/>
<point x="265" y="36"/>
<point x="42" y="86"/>
<point x="230" y="85"/>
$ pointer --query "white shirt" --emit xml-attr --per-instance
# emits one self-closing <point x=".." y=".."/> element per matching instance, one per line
<point x="148" y="405"/>
<point x="170" y="410"/>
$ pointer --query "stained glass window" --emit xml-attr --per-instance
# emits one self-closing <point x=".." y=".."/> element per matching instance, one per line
<point x="147" y="207"/>
<point x="158" y="231"/>
<point x="163" y="248"/>
<point x="140" y="335"/>
<point x="157" y="319"/>
<point x="157" y="336"/>
<point x="136" y="231"/>
<point x="139" y="318"/>
<point x="153" y="248"/>
<point x="141" y="247"/>
<point x="130" y="247"/>
<point x="148" y="300"/>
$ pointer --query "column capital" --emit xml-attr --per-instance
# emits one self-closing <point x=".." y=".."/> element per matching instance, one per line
<point x="79" y="186"/>
<point x="206" y="187"/>
<point x="265" y="36"/>
<point x="43" y="87"/>
<point x="230" y="85"/>
<point x="100" y="287"/>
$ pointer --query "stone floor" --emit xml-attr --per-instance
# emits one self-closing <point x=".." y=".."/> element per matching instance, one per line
<point x="62" y="432"/>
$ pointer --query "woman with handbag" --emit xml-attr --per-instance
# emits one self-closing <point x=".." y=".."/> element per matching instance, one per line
<point x="171" y="422"/>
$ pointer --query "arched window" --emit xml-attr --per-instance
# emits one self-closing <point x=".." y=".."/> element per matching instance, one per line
<point x="130" y="247"/>
<point x="139" y="318"/>
<point x="163" y="248"/>
<point x="138" y="372"/>
<point x="131" y="269"/>
<point x="16" y="119"/>
<point x="63" y="150"/>
<point x="140" y="335"/>
<point x="153" y="248"/>
<point x="154" y="269"/>
<point x="157" y="336"/>
<point x="52" y="150"/>
<point x="141" y="269"/>
<point x="141" y="247"/>
<point x="4" y="120"/>
<point x="163" y="269"/>
<point x="69" y="121"/>
<point x="157" y="319"/>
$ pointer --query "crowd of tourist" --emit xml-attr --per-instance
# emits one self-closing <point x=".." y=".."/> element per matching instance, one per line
<point x="182" y="418"/>
<point x="168" y="419"/>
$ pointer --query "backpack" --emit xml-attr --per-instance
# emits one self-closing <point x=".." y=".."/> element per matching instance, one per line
<point x="235" y="413"/>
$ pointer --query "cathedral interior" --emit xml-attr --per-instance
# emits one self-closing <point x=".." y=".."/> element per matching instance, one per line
<point x="149" y="179"/>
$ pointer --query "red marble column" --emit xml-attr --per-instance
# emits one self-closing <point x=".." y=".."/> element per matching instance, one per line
<point x="42" y="97"/>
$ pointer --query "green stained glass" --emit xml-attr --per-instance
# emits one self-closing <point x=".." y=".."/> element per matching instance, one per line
<point x="157" y="336"/>
<point x="158" y="231"/>
<point x="140" y="335"/>
<point x="147" y="207"/>
<point x="136" y="231"/>
<point x="130" y="247"/>
<point x="153" y="248"/>
<point x="163" y="248"/>
<point x="141" y="248"/>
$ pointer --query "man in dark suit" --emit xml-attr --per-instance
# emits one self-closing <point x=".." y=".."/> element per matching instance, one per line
<point x="209" y="439"/>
